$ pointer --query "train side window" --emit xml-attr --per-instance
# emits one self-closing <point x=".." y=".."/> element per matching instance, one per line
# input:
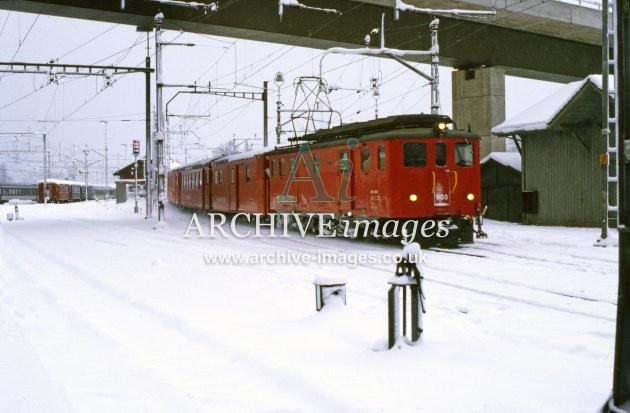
<point x="232" y="177"/>
<point x="317" y="163"/>
<point x="463" y="154"/>
<point x="415" y="154"/>
<point x="381" y="157"/>
<point x="247" y="173"/>
<point x="365" y="159"/>
<point x="344" y="163"/>
<point x="199" y="175"/>
<point x="440" y="154"/>
<point x="273" y="167"/>
<point x="281" y="171"/>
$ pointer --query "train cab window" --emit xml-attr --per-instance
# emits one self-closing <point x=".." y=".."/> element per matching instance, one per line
<point x="415" y="154"/>
<point x="293" y="169"/>
<point x="281" y="169"/>
<point x="317" y="162"/>
<point x="464" y="154"/>
<point x="344" y="162"/>
<point x="273" y="167"/>
<point x="381" y="157"/>
<point x="440" y="154"/>
<point x="232" y="176"/>
<point x="365" y="159"/>
<point x="247" y="173"/>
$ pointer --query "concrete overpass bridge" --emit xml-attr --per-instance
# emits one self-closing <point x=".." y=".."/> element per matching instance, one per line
<point x="539" y="39"/>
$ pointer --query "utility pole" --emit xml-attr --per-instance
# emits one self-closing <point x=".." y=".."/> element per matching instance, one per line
<point x="45" y="172"/>
<point x="136" y="152"/>
<point x="265" y="97"/>
<point x="86" y="152"/>
<point x="621" y="373"/>
<point x="159" y="132"/>
<point x="104" y="122"/>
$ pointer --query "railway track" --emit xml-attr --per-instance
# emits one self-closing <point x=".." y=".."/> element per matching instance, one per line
<point x="479" y="291"/>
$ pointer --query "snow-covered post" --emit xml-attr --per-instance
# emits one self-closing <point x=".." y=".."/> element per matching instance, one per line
<point x="407" y="275"/>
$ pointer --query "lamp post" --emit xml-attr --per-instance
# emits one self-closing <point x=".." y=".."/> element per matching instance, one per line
<point x="279" y="81"/>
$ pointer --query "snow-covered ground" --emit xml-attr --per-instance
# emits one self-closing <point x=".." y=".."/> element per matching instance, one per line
<point x="100" y="312"/>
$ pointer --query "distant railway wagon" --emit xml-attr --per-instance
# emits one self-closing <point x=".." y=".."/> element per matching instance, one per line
<point x="61" y="191"/>
<point x="400" y="169"/>
<point x="23" y="192"/>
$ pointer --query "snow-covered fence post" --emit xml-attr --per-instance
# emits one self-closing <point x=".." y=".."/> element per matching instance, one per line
<point x="407" y="275"/>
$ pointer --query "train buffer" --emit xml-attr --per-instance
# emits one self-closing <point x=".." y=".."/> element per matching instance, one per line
<point x="407" y="277"/>
<point x="327" y="289"/>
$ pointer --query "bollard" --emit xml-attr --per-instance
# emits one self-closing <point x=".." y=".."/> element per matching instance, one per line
<point x="407" y="276"/>
<point x="327" y="287"/>
<point x="9" y="216"/>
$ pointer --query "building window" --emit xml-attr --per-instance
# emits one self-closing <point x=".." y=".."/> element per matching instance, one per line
<point x="440" y="154"/>
<point x="414" y="154"/>
<point x="464" y="154"/>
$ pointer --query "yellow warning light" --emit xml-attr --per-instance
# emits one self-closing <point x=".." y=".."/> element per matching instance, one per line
<point x="413" y="197"/>
<point x="470" y="197"/>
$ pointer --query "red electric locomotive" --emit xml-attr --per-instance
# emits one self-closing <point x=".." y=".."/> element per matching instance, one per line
<point x="396" y="169"/>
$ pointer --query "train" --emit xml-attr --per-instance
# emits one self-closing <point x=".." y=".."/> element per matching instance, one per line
<point x="22" y="192"/>
<point x="401" y="169"/>
<point x="57" y="190"/>
<point x="60" y="191"/>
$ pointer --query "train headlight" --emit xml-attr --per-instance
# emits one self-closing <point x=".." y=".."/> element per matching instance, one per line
<point x="441" y="126"/>
<point x="470" y="197"/>
<point x="413" y="197"/>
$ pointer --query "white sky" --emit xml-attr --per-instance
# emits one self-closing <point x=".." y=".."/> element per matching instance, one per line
<point x="82" y="102"/>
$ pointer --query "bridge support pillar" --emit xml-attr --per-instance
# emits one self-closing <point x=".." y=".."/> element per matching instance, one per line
<point x="479" y="102"/>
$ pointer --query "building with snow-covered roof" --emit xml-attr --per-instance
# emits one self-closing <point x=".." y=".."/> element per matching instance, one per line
<point x="560" y="141"/>
<point x="501" y="187"/>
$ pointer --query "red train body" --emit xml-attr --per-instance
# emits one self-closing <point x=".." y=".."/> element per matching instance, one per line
<point x="402" y="168"/>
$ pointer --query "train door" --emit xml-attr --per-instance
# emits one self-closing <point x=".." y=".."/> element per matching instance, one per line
<point x="361" y="182"/>
<point x="345" y="181"/>
<point x="234" y="169"/>
<point x="444" y="177"/>
<point x="207" y="188"/>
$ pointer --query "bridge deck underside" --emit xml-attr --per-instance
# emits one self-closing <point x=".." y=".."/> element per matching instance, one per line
<point x="463" y="44"/>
